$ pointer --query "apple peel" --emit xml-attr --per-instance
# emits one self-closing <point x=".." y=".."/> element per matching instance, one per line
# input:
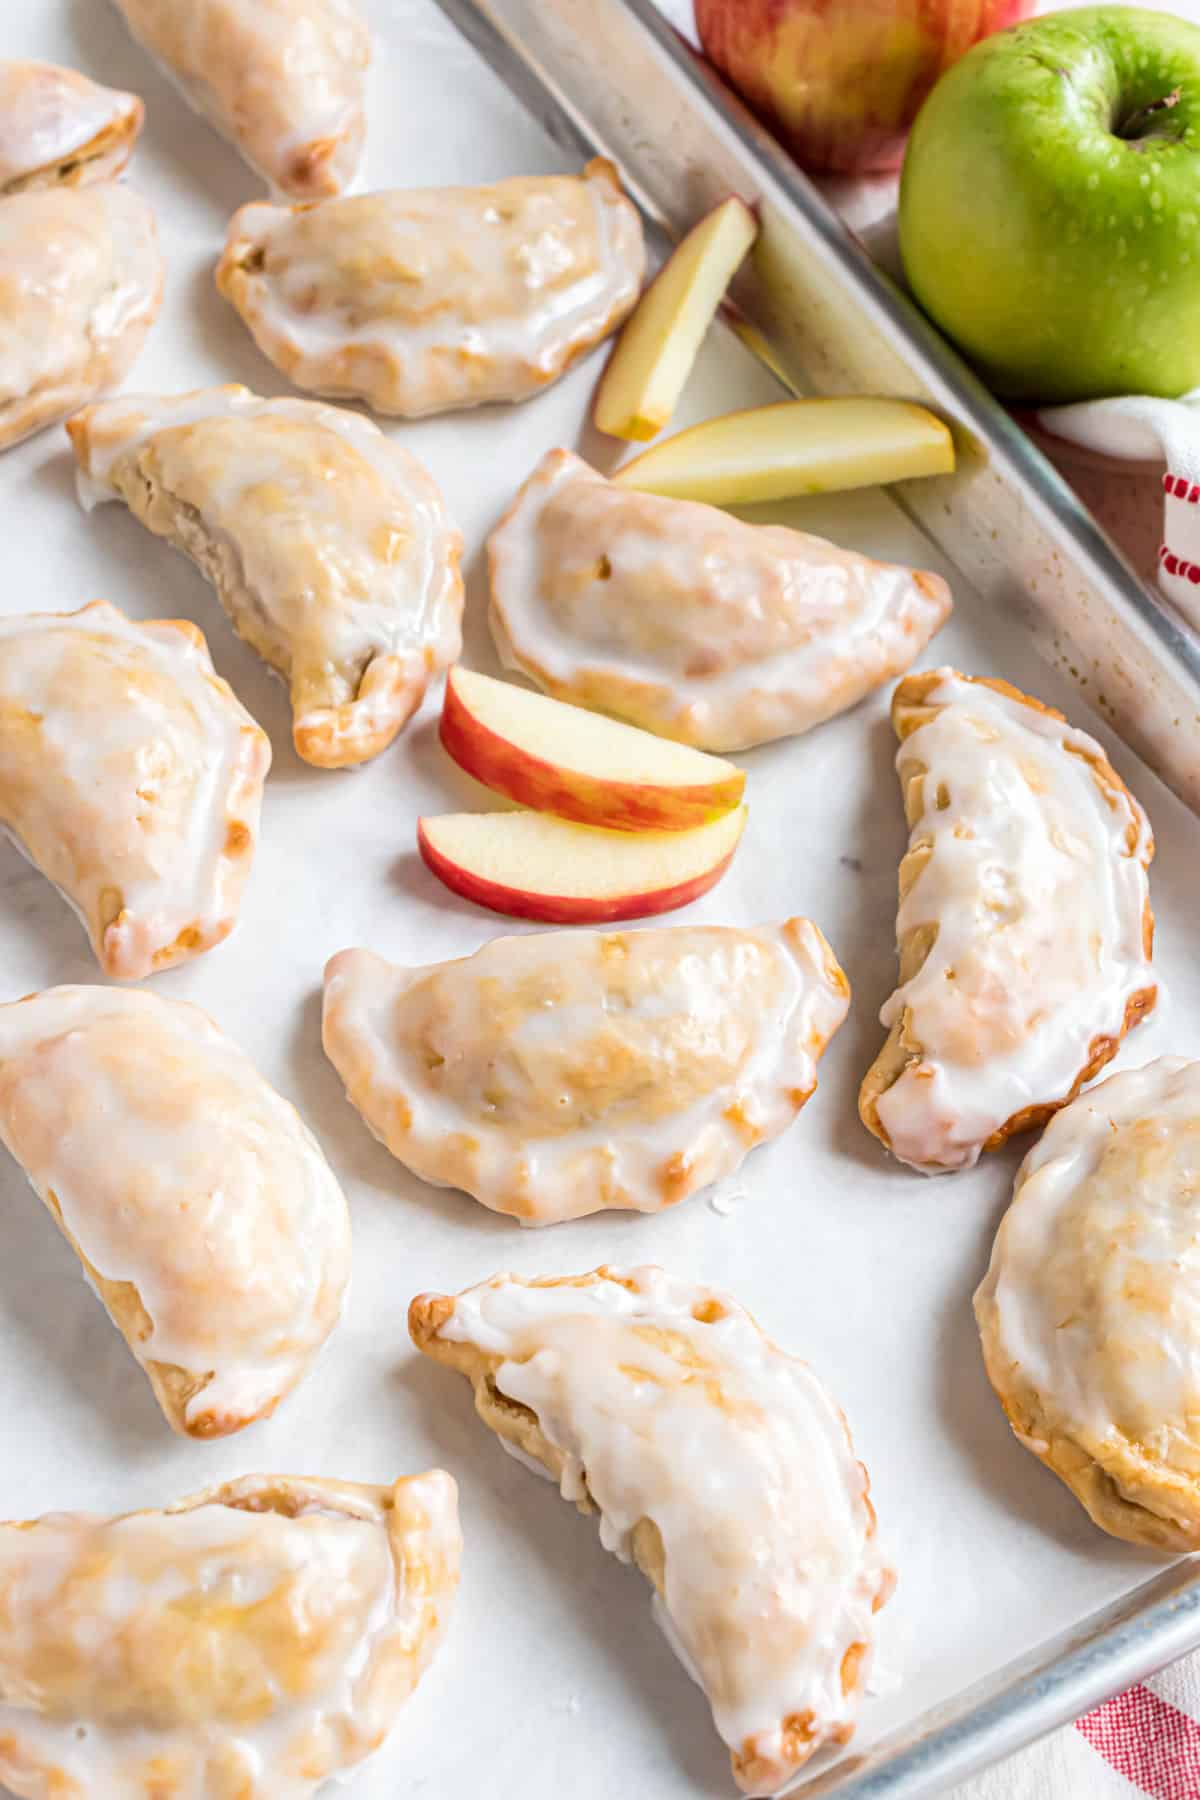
<point x="561" y="759"/>
<point x="529" y="865"/>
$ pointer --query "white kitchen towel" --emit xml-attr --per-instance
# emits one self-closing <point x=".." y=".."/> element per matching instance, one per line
<point x="1143" y="430"/>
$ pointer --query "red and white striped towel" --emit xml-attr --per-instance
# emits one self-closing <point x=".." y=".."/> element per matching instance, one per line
<point x="1136" y="430"/>
<point x="1146" y="1741"/>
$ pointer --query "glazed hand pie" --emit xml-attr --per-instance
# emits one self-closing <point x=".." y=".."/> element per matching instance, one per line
<point x="244" y="1644"/>
<point x="716" y="1462"/>
<point x="59" y="128"/>
<point x="200" y="1205"/>
<point x="684" y="620"/>
<point x="1024" y="928"/>
<point x="283" y="80"/>
<point x="1090" y="1311"/>
<point x="131" y="776"/>
<point x="426" y="300"/>
<point x="80" y="286"/>
<point x="329" y="546"/>
<point x="572" y="1071"/>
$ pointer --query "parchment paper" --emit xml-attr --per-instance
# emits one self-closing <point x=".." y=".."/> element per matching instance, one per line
<point x="554" y="1678"/>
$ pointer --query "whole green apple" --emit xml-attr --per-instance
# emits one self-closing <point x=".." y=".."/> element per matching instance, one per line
<point x="1050" y="206"/>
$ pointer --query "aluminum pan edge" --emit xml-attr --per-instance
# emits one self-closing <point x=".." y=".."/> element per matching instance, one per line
<point x="1048" y="1687"/>
<point x="611" y="76"/>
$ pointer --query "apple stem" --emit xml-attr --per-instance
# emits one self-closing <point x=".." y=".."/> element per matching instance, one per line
<point x="1136" y="126"/>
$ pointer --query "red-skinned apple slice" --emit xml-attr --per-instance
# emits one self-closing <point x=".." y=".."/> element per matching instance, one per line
<point x="532" y="866"/>
<point x="580" y="765"/>
<point x="654" y="354"/>
<point x="798" y="447"/>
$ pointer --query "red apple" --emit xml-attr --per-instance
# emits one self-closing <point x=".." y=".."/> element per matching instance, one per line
<point x="841" y="81"/>
<point x="580" y="765"/>
<point x="532" y="866"/>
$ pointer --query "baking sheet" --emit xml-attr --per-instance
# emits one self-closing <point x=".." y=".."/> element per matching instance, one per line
<point x="553" y="1674"/>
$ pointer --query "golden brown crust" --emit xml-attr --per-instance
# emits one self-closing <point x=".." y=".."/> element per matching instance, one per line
<point x="349" y="701"/>
<point x="509" y="1419"/>
<point x="325" y="1672"/>
<point x="1126" y="1492"/>
<point x="365" y="365"/>
<point x="389" y="692"/>
<point x="42" y="109"/>
<point x="92" y="360"/>
<point x="128" y="935"/>
<point x="910" y="710"/>
<point x="174" y="1387"/>
<point x="519" y="1426"/>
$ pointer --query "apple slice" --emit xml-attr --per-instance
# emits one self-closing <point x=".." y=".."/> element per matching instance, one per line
<point x="532" y="866"/>
<point x="580" y="765"/>
<point x="797" y="447"/>
<point x="655" y="351"/>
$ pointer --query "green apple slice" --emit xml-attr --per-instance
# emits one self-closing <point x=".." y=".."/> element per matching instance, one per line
<point x="798" y="447"/>
<point x="646" y="373"/>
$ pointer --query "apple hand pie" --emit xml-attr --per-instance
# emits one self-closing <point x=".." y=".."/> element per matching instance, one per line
<point x="246" y="1643"/>
<point x="80" y="286"/>
<point x="329" y="546"/>
<point x="426" y="300"/>
<point x="716" y="1462"/>
<point x="283" y="80"/>
<point x="1024" y="928"/>
<point x="567" y="1073"/>
<point x="1090" y="1311"/>
<point x="132" y="777"/>
<point x="200" y="1205"/>
<point x="680" y="618"/>
<point x="57" y="128"/>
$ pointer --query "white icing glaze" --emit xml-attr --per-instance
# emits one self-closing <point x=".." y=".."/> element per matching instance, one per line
<point x="341" y="560"/>
<point x="422" y="300"/>
<point x="82" y="286"/>
<point x="1093" y="1291"/>
<point x="559" y="1073"/>
<point x="131" y="776"/>
<point x="284" y="80"/>
<point x="686" y="621"/>
<point x="51" y="117"/>
<point x="741" y="1460"/>
<point x="1037" y="889"/>
<point x="175" y="1167"/>
<point x="221" y="1650"/>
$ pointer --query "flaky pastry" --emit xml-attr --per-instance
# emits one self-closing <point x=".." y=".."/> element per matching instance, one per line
<point x="716" y="1462"/>
<point x="132" y="777"/>
<point x="680" y="618"/>
<point x="200" y="1205"/>
<point x="57" y="128"/>
<point x="1090" y="1310"/>
<point x="430" y="299"/>
<point x="244" y="1644"/>
<point x="572" y="1071"/>
<point x="1025" y="928"/>
<point x="328" y="545"/>
<point x="283" y="80"/>
<point x="81" y="282"/>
